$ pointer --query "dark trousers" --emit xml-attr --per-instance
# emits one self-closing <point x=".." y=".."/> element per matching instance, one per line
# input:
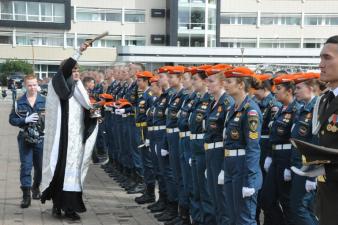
<point x="302" y="202"/>
<point x="200" y="188"/>
<point x="215" y="163"/>
<point x="174" y="158"/>
<point x="30" y="156"/>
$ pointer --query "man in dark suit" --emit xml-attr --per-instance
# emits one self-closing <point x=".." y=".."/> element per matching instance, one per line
<point x="326" y="130"/>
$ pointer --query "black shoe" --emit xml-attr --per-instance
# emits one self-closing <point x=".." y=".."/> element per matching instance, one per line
<point x="56" y="212"/>
<point x="139" y="188"/>
<point x="26" y="197"/>
<point x="174" y="221"/>
<point x="36" y="194"/>
<point x="145" y="198"/>
<point x="159" y="208"/>
<point x="73" y="216"/>
<point x="169" y="215"/>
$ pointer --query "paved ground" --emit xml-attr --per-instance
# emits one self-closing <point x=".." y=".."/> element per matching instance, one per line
<point x="106" y="203"/>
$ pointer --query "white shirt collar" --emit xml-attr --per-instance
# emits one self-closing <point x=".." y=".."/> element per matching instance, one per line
<point x="335" y="91"/>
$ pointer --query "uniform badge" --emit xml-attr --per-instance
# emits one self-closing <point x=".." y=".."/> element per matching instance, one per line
<point x="173" y="114"/>
<point x="184" y="113"/>
<point x="253" y="135"/>
<point x="142" y="110"/>
<point x="199" y="117"/>
<point x="308" y="117"/>
<point x="160" y="114"/>
<point x="213" y="125"/>
<point x="280" y="130"/>
<point x="331" y="128"/>
<point x="219" y="110"/>
<point x="253" y="120"/>
<point x="163" y="101"/>
<point x="238" y="115"/>
<point x="287" y="118"/>
<point x="303" y="131"/>
<point x="177" y="100"/>
<point x="142" y="103"/>
<point x="234" y="134"/>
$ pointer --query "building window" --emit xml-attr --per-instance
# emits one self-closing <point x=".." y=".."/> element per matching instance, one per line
<point x="32" y="11"/>
<point x="91" y="14"/>
<point x="280" y="19"/>
<point x="279" y="43"/>
<point x="313" y="43"/>
<point x="5" y="37"/>
<point x="313" y="20"/>
<point x="135" y="40"/>
<point x="134" y="16"/>
<point x="239" y="18"/>
<point x="39" y="39"/>
<point x="321" y="20"/>
<point x="238" y="42"/>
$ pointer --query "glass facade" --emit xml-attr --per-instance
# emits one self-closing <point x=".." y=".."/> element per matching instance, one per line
<point x="90" y="14"/>
<point x="196" y="23"/>
<point x="32" y="11"/>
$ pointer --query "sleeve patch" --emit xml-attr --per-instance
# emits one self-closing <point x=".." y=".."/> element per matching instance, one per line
<point x="253" y="135"/>
<point x="253" y="121"/>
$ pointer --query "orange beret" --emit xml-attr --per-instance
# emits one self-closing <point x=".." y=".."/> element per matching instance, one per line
<point x="263" y="77"/>
<point x="154" y="79"/>
<point x="176" y="70"/>
<point x="217" y="68"/>
<point x="284" y="78"/>
<point x="164" y="69"/>
<point x="239" y="72"/>
<point x="106" y="96"/>
<point x="191" y="69"/>
<point x="203" y="68"/>
<point x="144" y="74"/>
<point x="306" y="76"/>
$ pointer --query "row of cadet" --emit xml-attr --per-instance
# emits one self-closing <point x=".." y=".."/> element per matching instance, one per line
<point x="216" y="140"/>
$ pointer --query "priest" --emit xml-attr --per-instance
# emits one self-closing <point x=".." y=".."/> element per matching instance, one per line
<point x="70" y="136"/>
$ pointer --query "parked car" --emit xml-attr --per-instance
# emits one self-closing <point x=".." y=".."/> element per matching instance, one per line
<point x="17" y="78"/>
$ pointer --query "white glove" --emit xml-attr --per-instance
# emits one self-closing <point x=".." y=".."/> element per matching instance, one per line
<point x="190" y="162"/>
<point x="164" y="152"/>
<point x="310" y="185"/>
<point x="206" y="174"/>
<point x="287" y="175"/>
<point x="267" y="163"/>
<point x="247" y="192"/>
<point x="317" y="171"/>
<point x="32" y="118"/>
<point x="220" y="179"/>
<point x="120" y="111"/>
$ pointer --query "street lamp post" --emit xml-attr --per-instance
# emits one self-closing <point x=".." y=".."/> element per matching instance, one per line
<point x="242" y="51"/>
<point x="33" y="55"/>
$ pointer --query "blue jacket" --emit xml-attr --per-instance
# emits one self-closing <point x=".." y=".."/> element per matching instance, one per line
<point x="242" y="131"/>
<point x="174" y="105"/>
<point x="216" y="114"/>
<point x="24" y="109"/>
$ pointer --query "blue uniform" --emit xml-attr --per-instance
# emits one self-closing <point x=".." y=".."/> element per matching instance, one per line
<point x="144" y="101"/>
<point x="213" y="146"/>
<point x="198" y="164"/>
<point x="160" y="142"/>
<point x="241" y="162"/>
<point x="100" y="140"/>
<point x="269" y="106"/>
<point x="30" y="154"/>
<point x="276" y="189"/>
<point x="301" y="202"/>
<point x="173" y="108"/>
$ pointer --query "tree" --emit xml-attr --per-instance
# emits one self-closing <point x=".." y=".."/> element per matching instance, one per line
<point x="12" y="66"/>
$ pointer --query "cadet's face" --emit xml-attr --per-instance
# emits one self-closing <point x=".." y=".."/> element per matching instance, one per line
<point x="155" y="88"/>
<point x="186" y="81"/>
<point x="197" y="82"/>
<point x="259" y="94"/>
<point x="214" y="85"/>
<point x="76" y="73"/>
<point x="329" y="63"/>
<point x="173" y="80"/>
<point x="163" y="81"/>
<point x="31" y="86"/>
<point x="231" y="86"/>
<point x="303" y="92"/>
<point x="141" y="83"/>
<point x="281" y="93"/>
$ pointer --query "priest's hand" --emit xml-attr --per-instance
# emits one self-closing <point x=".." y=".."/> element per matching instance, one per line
<point x="84" y="46"/>
<point x="33" y="118"/>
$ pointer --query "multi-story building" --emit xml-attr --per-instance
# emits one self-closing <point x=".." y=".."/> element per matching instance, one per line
<point x="46" y="31"/>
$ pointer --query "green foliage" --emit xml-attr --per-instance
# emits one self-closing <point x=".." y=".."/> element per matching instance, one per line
<point x="12" y="66"/>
